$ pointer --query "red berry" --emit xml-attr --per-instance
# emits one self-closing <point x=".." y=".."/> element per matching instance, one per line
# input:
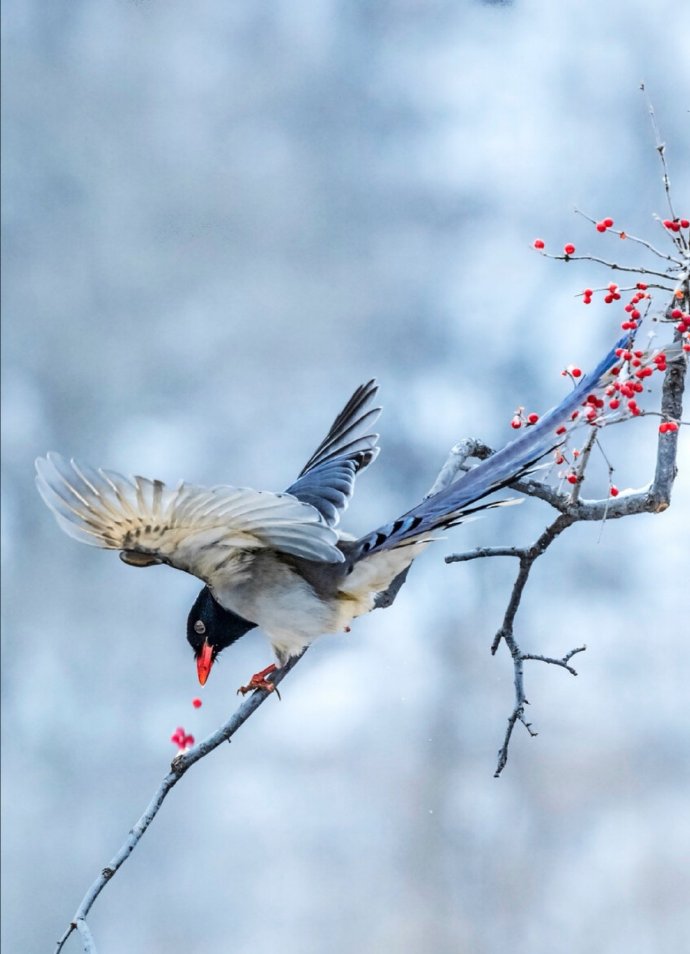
<point x="571" y="478"/>
<point x="561" y="430"/>
<point x="614" y="491"/>
<point x="538" y="243"/>
<point x="516" y="423"/>
<point x="608" y="223"/>
<point x="569" y="248"/>
<point x="576" y="373"/>
<point x="533" y="418"/>
<point x="614" y="404"/>
<point x="685" y="224"/>
<point x="641" y="285"/>
<point x="608" y="299"/>
<point x="601" y="227"/>
<point x="196" y="703"/>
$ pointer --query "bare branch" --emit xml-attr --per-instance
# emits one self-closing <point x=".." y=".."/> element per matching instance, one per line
<point x="485" y="552"/>
<point x="564" y="661"/>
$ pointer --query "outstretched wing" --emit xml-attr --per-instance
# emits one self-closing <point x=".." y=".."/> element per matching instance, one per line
<point x="328" y="478"/>
<point x="189" y="527"/>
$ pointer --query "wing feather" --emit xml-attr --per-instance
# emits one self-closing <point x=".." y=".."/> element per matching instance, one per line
<point x="184" y="526"/>
<point x="327" y="479"/>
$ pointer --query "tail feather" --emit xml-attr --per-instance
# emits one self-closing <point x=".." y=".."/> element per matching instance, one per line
<point x="516" y="459"/>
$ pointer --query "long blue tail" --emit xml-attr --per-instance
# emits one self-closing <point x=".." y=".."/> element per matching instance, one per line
<point x="506" y="465"/>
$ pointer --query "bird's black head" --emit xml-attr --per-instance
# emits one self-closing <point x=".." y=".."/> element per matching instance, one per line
<point x="210" y="628"/>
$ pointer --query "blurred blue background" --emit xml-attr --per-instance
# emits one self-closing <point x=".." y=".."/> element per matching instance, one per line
<point x="219" y="218"/>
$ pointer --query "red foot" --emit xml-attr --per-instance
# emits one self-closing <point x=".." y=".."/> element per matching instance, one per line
<point x="259" y="681"/>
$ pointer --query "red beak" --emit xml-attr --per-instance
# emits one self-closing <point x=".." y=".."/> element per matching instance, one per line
<point x="204" y="661"/>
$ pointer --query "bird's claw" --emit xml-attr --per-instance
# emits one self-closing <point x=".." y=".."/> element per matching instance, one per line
<point x="259" y="681"/>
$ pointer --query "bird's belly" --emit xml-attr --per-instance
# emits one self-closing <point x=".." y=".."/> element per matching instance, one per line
<point x="284" y="605"/>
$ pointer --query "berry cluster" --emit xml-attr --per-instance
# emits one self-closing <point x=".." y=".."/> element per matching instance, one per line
<point x="603" y="225"/>
<point x="182" y="739"/>
<point x="683" y="326"/>
<point x="519" y="418"/>
<point x="613" y="293"/>
<point x="540" y="245"/>
<point x="635" y="366"/>
<point x="675" y="225"/>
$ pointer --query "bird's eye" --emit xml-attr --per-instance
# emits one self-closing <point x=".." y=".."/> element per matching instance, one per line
<point x="199" y="627"/>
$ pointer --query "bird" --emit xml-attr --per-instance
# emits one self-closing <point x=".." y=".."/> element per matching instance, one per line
<point x="279" y="560"/>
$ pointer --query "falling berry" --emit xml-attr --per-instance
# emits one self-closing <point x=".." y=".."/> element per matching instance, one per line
<point x="182" y="739"/>
<point x="196" y="703"/>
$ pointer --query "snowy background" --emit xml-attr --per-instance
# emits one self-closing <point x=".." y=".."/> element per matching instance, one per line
<point x="219" y="219"/>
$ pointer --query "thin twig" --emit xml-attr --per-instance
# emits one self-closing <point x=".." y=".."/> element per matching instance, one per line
<point x="630" y="238"/>
<point x="484" y="552"/>
<point x="614" y="266"/>
<point x="180" y="764"/>
<point x="660" y="148"/>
